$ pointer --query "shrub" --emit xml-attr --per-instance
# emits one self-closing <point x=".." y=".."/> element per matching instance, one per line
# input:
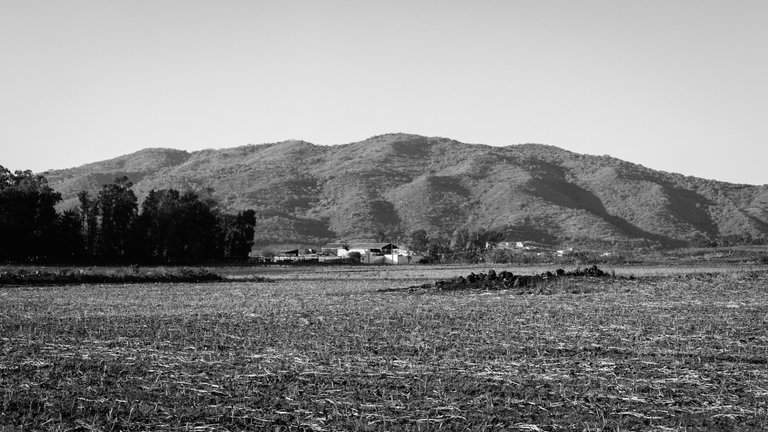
<point x="355" y="256"/>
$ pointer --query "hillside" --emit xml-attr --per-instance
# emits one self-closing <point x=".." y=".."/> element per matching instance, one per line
<point x="310" y="194"/>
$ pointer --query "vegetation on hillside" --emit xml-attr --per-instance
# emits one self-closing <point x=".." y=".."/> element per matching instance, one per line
<point x="308" y="194"/>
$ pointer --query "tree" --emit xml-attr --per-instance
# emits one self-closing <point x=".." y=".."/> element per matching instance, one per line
<point x="419" y="241"/>
<point x="461" y="240"/>
<point x="238" y="234"/>
<point x="154" y="225"/>
<point x="176" y="228"/>
<point x="199" y="225"/>
<point x="117" y="210"/>
<point x="438" y="248"/>
<point x="68" y="239"/>
<point x="486" y="239"/>
<point x="89" y="220"/>
<point x="27" y="216"/>
<point x="472" y="245"/>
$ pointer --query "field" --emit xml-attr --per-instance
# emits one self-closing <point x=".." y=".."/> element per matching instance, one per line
<point x="322" y="349"/>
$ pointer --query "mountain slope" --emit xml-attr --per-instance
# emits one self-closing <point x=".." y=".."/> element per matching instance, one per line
<point x="309" y="194"/>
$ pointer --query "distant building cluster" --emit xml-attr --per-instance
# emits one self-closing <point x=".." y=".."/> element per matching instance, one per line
<point x="533" y="247"/>
<point x="366" y="253"/>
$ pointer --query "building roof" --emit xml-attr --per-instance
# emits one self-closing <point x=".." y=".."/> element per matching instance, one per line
<point x="370" y="245"/>
<point x="335" y="245"/>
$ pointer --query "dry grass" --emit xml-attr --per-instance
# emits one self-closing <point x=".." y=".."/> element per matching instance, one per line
<point x="322" y="350"/>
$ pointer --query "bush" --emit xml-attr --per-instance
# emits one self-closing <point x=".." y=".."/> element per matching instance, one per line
<point x="355" y="257"/>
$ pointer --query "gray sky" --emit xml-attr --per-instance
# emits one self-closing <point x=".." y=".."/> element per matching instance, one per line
<point x="675" y="85"/>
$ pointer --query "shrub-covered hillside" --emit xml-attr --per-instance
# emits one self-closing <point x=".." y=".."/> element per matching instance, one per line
<point x="397" y="183"/>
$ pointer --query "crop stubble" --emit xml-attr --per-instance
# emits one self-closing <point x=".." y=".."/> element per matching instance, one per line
<point x="326" y="351"/>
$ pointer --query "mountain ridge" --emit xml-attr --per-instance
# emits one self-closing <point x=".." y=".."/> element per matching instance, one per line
<point x="396" y="183"/>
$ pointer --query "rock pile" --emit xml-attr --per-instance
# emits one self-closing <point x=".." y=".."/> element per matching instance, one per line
<point x="506" y="280"/>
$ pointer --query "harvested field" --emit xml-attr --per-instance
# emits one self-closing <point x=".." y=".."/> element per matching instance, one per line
<point x="325" y="350"/>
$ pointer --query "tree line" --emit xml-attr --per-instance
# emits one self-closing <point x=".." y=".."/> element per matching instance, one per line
<point x="170" y="227"/>
<point x="468" y="246"/>
<point x="463" y="245"/>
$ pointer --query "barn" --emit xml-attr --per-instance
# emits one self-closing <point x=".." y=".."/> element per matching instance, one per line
<point x="338" y="249"/>
<point x="373" y="249"/>
<point x="370" y="252"/>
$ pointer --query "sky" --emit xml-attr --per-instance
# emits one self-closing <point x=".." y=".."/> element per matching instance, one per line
<point x="674" y="85"/>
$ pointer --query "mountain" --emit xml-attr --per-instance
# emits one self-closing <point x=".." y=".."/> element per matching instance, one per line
<point x="309" y="194"/>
